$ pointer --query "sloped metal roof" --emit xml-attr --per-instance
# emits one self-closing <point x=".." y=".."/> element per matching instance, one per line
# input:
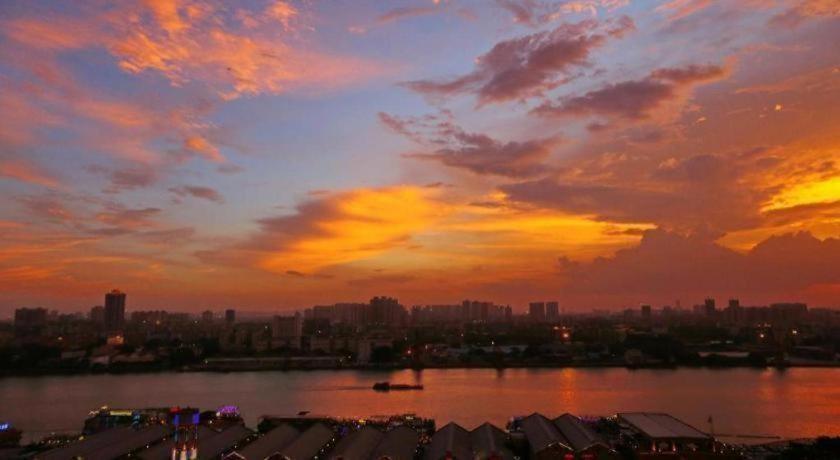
<point x="661" y="426"/>
<point x="223" y="441"/>
<point x="357" y="445"/>
<point x="541" y="432"/>
<point x="489" y="441"/>
<point x="309" y="443"/>
<point x="399" y="444"/>
<point x="110" y="443"/>
<point x="450" y="441"/>
<point x="577" y="434"/>
<point x="269" y="443"/>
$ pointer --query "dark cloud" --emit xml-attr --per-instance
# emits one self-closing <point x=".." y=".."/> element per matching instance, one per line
<point x="697" y="192"/>
<point x="634" y="99"/>
<point x="474" y="152"/>
<point x="482" y="154"/>
<point x="666" y="266"/>
<point x="128" y="178"/>
<point x="167" y="237"/>
<point x="689" y="74"/>
<point x="530" y="65"/>
<point x="196" y="191"/>
<point x="128" y="218"/>
<point x="400" y="126"/>
<point x="46" y="207"/>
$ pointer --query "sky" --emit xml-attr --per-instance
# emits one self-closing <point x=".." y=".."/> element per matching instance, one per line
<point x="272" y="155"/>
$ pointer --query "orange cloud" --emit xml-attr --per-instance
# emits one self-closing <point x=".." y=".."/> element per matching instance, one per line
<point x="26" y="172"/>
<point x="351" y="226"/>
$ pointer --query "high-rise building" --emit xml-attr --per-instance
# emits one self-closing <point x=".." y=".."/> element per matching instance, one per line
<point x="552" y="311"/>
<point x="230" y="316"/>
<point x="207" y="316"/>
<point x="709" y="307"/>
<point x="646" y="313"/>
<point x="30" y="323"/>
<point x="97" y="315"/>
<point x="287" y="331"/>
<point x="387" y="311"/>
<point x="114" y="311"/>
<point x="536" y="311"/>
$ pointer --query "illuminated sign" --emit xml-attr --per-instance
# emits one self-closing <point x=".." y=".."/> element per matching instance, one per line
<point x="4" y="426"/>
<point x="120" y="413"/>
<point x="228" y="411"/>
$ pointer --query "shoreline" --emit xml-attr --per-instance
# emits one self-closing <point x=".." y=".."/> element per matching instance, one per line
<point x="381" y="368"/>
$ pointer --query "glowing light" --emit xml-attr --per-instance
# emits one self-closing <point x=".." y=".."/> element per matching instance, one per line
<point x="824" y="191"/>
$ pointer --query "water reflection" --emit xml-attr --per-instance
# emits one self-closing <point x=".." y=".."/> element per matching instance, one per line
<point x="798" y="402"/>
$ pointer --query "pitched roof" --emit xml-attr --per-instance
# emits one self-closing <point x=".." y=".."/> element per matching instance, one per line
<point x="577" y="434"/>
<point x="659" y="426"/>
<point x="398" y="444"/>
<point x="308" y="443"/>
<point x="269" y="443"/>
<point x="541" y="432"/>
<point x="110" y="443"/>
<point x="222" y="442"/>
<point x="489" y="440"/>
<point x="359" y="444"/>
<point x="450" y="441"/>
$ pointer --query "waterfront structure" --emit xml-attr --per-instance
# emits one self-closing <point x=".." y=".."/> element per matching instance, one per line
<point x="543" y="438"/>
<point x="185" y="439"/>
<point x="222" y="435"/>
<point x="266" y="445"/>
<point x="111" y="443"/>
<point x="359" y="444"/>
<point x="490" y="443"/>
<point x="311" y="443"/>
<point x="398" y="444"/>
<point x="657" y="432"/>
<point x="584" y="441"/>
<point x="450" y="442"/>
<point x="115" y="311"/>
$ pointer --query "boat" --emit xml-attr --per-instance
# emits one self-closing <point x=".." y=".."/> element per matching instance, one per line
<point x="388" y="386"/>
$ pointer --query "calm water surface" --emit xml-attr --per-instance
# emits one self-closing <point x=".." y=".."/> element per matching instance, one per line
<point x="792" y="403"/>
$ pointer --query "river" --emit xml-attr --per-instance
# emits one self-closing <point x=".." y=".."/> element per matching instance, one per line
<point x="796" y="402"/>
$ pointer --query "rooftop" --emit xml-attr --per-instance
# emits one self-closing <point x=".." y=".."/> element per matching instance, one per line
<point x="661" y="426"/>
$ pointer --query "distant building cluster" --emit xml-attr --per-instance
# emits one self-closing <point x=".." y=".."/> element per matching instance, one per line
<point x="383" y="331"/>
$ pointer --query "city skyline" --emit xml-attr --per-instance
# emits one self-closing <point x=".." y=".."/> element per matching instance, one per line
<point x="113" y="312"/>
<point x="274" y="155"/>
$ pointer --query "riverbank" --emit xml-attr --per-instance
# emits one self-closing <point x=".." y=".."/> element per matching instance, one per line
<point x="243" y="365"/>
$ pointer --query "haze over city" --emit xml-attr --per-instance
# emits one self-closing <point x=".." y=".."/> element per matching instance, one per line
<point x="273" y="155"/>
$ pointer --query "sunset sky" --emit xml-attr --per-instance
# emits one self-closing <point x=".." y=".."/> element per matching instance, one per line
<point x="271" y="155"/>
